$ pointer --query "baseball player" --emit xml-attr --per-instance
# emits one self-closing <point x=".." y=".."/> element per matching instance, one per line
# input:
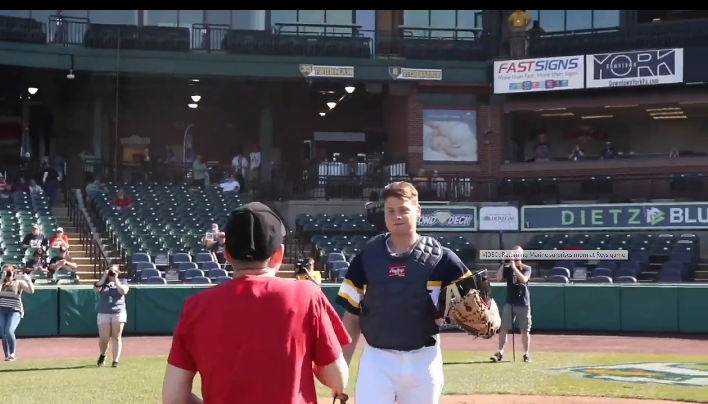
<point x="256" y="338"/>
<point x="402" y="273"/>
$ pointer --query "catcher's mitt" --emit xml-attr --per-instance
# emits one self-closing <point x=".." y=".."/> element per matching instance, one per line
<point x="468" y="304"/>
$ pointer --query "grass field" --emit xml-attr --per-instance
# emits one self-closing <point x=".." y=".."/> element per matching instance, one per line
<point x="139" y="379"/>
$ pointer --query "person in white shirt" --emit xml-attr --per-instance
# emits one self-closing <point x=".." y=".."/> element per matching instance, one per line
<point x="239" y="165"/>
<point x="254" y="168"/>
<point x="230" y="185"/>
<point x="34" y="188"/>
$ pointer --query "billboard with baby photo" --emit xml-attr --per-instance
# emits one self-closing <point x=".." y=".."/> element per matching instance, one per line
<point x="449" y="135"/>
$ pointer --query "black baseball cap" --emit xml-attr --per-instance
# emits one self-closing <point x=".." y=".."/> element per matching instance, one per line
<point x="253" y="233"/>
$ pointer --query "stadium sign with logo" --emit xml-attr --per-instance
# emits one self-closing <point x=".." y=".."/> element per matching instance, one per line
<point x="316" y="71"/>
<point x="407" y="73"/>
<point x="447" y="218"/>
<point x="621" y="216"/>
<point x="636" y="68"/>
<point x="676" y="374"/>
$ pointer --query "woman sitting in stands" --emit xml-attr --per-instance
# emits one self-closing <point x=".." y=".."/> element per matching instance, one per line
<point x="112" y="314"/>
<point x="11" y="309"/>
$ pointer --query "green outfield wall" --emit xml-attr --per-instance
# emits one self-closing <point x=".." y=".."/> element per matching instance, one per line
<point x="71" y="311"/>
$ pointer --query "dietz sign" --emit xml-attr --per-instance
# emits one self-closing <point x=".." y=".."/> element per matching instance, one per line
<point x="637" y="68"/>
<point x="543" y="74"/>
<point x="447" y="218"/>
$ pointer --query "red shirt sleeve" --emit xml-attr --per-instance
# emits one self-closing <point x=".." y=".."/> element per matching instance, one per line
<point x="180" y="354"/>
<point x="329" y="332"/>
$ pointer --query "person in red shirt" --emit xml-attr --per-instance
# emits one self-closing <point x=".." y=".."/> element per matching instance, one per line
<point x="59" y="239"/>
<point x="121" y="200"/>
<point x="257" y="338"/>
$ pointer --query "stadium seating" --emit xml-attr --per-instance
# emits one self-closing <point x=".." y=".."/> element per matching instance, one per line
<point x="18" y="212"/>
<point x="164" y="227"/>
<point x="652" y="256"/>
<point x="334" y="239"/>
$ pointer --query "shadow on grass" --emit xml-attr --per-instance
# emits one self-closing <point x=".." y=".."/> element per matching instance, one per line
<point x="48" y="368"/>
<point x="469" y="363"/>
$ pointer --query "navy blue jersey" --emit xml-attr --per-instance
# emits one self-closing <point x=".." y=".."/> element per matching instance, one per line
<point x="448" y="270"/>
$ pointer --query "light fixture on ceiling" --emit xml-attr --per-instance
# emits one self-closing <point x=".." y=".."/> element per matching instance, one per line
<point x="663" y="109"/>
<point x="196" y="98"/>
<point x="323" y="113"/>
<point x="621" y="106"/>
<point x="32" y="90"/>
<point x="550" y="109"/>
<point x="597" y="116"/>
<point x="194" y="80"/>
<point x="560" y="114"/>
<point x="349" y="89"/>
<point x="670" y="117"/>
<point x="331" y="104"/>
<point x="192" y="105"/>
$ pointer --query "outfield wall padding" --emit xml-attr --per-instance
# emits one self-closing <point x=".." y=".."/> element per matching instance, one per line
<point x="71" y="310"/>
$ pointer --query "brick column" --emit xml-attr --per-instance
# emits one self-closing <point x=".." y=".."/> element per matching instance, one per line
<point x="490" y="139"/>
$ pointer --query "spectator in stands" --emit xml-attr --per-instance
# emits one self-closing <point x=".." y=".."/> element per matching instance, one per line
<point x="608" y="153"/>
<point x="542" y="149"/>
<point x="95" y="188"/>
<point x="309" y="273"/>
<point x="216" y="247"/>
<point x="239" y="165"/>
<point x="147" y="164"/>
<point x="169" y="155"/>
<point x="61" y="261"/>
<point x="576" y="154"/>
<point x="21" y="186"/>
<point x="4" y="184"/>
<point x="254" y="168"/>
<point x="519" y="22"/>
<point x="210" y="236"/>
<point x="59" y="164"/>
<point x="59" y="239"/>
<point x="50" y="179"/>
<point x="199" y="172"/>
<point x="230" y="184"/>
<point x="38" y="263"/>
<point x="34" y="188"/>
<point x="35" y="239"/>
<point x="11" y="309"/>
<point x="121" y="200"/>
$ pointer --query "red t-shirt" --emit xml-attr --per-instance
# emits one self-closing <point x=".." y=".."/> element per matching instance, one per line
<point x="121" y="202"/>
<point x="254" y="340"/>
<point x="56" y="242"/>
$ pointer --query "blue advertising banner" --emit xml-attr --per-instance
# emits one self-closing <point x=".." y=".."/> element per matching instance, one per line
<point x="621" y="216"/>
<point x="447" y="218"/>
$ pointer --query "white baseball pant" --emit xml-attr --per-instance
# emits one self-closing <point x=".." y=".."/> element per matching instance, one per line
<point x="388" y="377"/>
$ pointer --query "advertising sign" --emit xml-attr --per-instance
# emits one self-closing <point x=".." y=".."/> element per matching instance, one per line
<point x="543" y="74"/>
<point x="637" y="68"/>
<point x="449" y="135"/>
<point x="407" y="73"/>
<point x="621" y="216"/>
<point x="327" y="71"/>
<point x="447" y="218"/>
<point x="496" y="218"/>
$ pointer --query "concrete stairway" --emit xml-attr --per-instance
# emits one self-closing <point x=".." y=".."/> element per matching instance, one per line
<point x="77" y="251"/>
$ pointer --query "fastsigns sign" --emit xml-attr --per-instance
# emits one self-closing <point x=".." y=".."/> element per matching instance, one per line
<point x="543" y="74"/>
